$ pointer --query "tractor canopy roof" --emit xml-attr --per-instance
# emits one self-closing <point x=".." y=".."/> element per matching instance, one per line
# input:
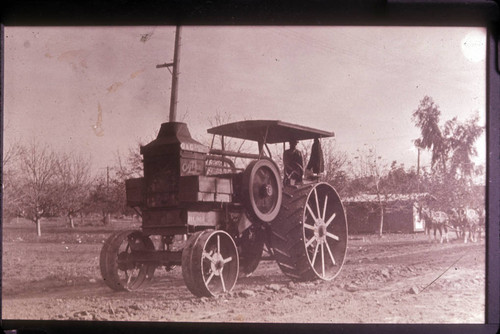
<point x="268" y="131"/>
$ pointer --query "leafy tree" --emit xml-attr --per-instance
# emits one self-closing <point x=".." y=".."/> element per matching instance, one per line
<point x="426" y="117"/>
<point x="451" y="180"/>
<point x="399" y="180"/>
<point x="461" y="138"/>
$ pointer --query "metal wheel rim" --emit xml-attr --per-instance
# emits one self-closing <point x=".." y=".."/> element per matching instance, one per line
<point x="126" y="275"/>
<point x="324" y="230"/>
<point x="219" y="263"/>
<point x="264" y="190"/>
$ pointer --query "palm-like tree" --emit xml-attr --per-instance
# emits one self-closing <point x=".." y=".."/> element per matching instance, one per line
<point x="426" y="117"/>
<point x="461" y="138"/>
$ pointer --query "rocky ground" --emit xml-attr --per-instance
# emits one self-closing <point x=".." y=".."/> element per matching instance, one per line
<point x="400" y="278"/>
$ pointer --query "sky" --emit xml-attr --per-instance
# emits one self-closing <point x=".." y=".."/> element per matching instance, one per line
<point x="96" y="91"/>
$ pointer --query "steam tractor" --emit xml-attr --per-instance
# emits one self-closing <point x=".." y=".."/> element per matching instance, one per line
<point x="215" y="219"/>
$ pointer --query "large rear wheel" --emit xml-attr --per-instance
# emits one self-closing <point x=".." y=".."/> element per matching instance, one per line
<point x="309" y="237"/>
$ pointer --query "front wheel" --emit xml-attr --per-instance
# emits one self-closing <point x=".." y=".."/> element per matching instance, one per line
<point x="118" y="269"/>
<point x="210" y="263"/>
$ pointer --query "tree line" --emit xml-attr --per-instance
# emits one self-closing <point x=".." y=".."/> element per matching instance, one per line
<point x="39" y="182"/>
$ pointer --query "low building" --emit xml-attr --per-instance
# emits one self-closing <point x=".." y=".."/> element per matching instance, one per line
<point x="401" y="213"/>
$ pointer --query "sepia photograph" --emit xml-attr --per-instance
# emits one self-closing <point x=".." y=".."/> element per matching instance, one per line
<point x="245" y="174"/>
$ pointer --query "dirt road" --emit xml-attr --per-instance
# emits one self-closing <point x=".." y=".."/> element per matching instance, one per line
<point x="396" y="279"/>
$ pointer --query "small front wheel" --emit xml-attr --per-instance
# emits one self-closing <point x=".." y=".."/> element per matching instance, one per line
<point x="118" y="269"/>
<point x="210" y="263"/>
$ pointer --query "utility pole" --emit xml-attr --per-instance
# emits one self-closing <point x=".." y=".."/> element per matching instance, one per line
<point x="175" y="74"/>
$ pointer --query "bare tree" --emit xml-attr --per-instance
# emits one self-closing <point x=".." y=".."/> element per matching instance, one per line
<point x="131" y="165"/>
<point x="73" y="182"/>
<point x="107" y="196"/>
<point x="369" y="169"/>
<point x="11" y="155"/>
<point x="335" y="163"/>
<point x="11" y="198"/>
<point x="37" y="187"/>
<point x="227" y="144"/>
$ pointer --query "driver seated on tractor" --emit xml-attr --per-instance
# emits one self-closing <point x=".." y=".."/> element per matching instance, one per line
<point x="294" y="164"/>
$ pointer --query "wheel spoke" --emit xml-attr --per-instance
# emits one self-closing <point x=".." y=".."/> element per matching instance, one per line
<point x="310" y="211"/>
<point x="315" y="253"/>
<point x="310" y="241"/>
<point x="317" y="202"/>
<point x="209" y="257"/>
<point x="229" y="259"/>
<point x="330" y="252"/>
<point x="129" y="277"/>
<point x="324" y="207"/>
<point x="331" y="219"/>
<point x="212" y="274"/>
<point x="333" y="236"/>
<point x="323" y="259"/>
<point x="222" y="280"/>
<point x="309" y="227"/>
<point x="218" y="243"/>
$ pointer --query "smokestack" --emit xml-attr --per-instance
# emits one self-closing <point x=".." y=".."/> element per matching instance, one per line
<point x="175" y="76"/>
